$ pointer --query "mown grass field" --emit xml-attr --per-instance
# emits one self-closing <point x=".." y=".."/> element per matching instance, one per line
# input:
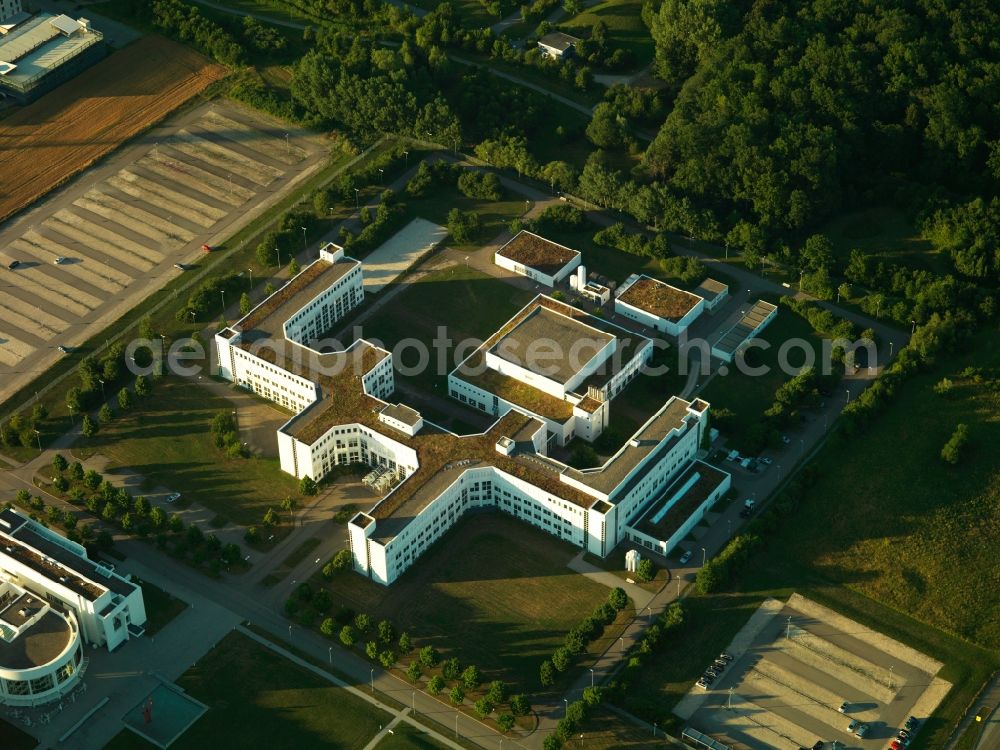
<point x="748" y="396"/>
<point x="167" y="439"/>
<point x="888" y="535"/>
<point x="884" y="231"/>
<point x="407" y="737"/>
<point x="257" y="698"/>
<point x="626" y="29"/>
<point x="494" y="592"/>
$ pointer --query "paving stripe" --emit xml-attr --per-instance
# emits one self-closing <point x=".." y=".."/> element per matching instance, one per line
<point x="194" y="210"/>
<point x="13" y="350"/>
<point x="94" y="272"/>
<point x="253" y="139"/>
<point x="38" y="282"/>
<point x="223" y="158"/>
<point x="30" y="319"/>
<point x="58" y="278"/>
<point x="198" y="179"/>
<point x="102" y="241"/>
<point x="51" y="314"/>
<point x="141" y="222"/>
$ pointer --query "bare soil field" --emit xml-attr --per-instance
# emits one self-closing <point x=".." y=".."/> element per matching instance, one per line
<point x="84" y="119"/>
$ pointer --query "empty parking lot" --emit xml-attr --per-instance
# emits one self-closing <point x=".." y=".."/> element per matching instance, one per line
<point x="796" y="664"/>
<point x="118" y="230"/>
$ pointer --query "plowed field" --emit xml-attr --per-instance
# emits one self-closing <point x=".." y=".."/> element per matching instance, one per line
<point x="71" y="127"/>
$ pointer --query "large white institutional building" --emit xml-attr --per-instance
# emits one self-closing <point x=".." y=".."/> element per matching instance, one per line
<point x="343" y="417"/>
<point x="53" y="601"/>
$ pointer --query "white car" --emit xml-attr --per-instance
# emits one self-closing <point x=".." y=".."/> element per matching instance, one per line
<point x="60" y="260"/>
<point x="685" y="557"/>
<point x="173" y="497"/>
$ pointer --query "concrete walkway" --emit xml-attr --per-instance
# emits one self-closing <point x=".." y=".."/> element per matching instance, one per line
<point x="639" y="596"/>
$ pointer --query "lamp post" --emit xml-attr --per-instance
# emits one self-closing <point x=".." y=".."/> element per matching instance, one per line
<point x="406" y="160"/>
<point x="622" y="641"/>
<point x="191" y="313"/>
<point x="381" y="176"/>
<point x="303" y="237"/>
<point x="288" y="146"/>
<point x="38" y="437"/>
<point x="592" y="677"/>
<point x="329" y="652"/>
<point x="848" y="396"/>
<point x="372" y="676"/>
<point x="566" y="709"/>
<point x="103" y="397"/>
<point x="890" y="348"/>
<point x="223" y="293"/>
<point x="704" y="555"/>
<point x="456" y="725"/>
<point x="913" y="328"/>
<point x="357" y="199"/>
<point x="289" y="631"/>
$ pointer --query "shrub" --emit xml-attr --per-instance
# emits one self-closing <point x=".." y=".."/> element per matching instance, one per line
<point x="506" y="722"/>
<point x="471" y="677"/>
<point x="450" y="669"/>
<point x="546" y="673"/>
<point x="951" y="453"/>
<point x="483" y="708"/>
<point x="497" y="692"/>
<point x="429" y="657"/>
<point x="646" y="571"/>
<point x="436" y="684"/>
<point x="413" y="671"/>
<point x="327" y="627"/>
<point x="520" y="706"/>
<point x="483" y="185"/>
<point x="561" y="658"/>
<point x="618" y="598"/>
<point x="457" y="695"/>
<point x="387" y="658"/>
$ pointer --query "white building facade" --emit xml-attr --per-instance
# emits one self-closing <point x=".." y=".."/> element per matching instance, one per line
<point x="53" y="600"/>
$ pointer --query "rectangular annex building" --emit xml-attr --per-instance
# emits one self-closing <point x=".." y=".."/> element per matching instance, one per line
<point x="655" y="304"/>
<point x="755" y="320"/>
<point x="537" y="258"/>
<point x="432" y="476"/>
<point x="713" y="292"/>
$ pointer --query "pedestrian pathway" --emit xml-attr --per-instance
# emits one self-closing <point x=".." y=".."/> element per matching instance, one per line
<point x="639" y="596"/>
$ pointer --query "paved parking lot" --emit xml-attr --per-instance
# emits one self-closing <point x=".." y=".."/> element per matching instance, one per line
<point x="118" y="230"/>
<point x="795" y="665"/>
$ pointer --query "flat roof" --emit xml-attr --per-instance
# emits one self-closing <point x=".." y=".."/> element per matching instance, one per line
<point x="38" y="46"/>
<point x="659" y="299"/>
<point x="402" y="413"/>
<point x="55" y="562"/>
<point x="21" y="609"/>
<point x="731" y="340"/>
<point x="267" y="320"/>
<point x="644" y="444"/>
<point x="512" y="390"/>
<point x="538" y="253"/>
<point x="710" y="289"/>
<point x="694" y="485"/>
<point x="551" y="344"/>
<point x="38" y="645"/>
<point x="558" y="40"/>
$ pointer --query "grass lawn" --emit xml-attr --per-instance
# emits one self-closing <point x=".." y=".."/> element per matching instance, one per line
<point x="749" y="396"/>
<point x="167" y="439"/>
<point x="12" y="738"/>
<point x="469" y="13"/>
<point x="407" y="737"/>
<point x="494" y="592"/>
<point x="626" y="29"/>
<point x="891" y="538"/>
<point x="161" y="607"/>
<point x="257" y="698"/>
<point x="885" y="231"/>
<point x="495" y="215"/>
<point x="295" y="557"/>
<point x="970" y="737"/>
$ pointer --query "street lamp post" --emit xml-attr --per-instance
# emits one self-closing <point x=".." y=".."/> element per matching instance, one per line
<point x="251" y="277"/>
<point x="103" y="397"/>
<point x="303" y="237"/>
<point x="848" y="397"/>
<point x="704" y="555"/>
<point x="406" y="160"/>
<point x="913" y="328"/>
<point x="329" y="652"/>
<point x="372" y="676"/>
<point x="357" y="199"/>
<point x="38" y="437"/>
<point x="289" y="631"/>
<point x="381" y="175"/>
<point x="622" y="641"/>
<point x="191" y="313"/>
<point x="566" y="709"/>
<point x="456" y="725"/>
<point x="223" y="293"/>
<point x="592" y="677"/>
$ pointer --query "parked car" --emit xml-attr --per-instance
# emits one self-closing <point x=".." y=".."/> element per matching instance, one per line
<point x="180" y="266"/>
<point x="818" y="745"/>
<point x="13" y="264"/>
<point x="62" y="349"/>
<point x="60" y="260"/>
<point x="173" y="497"/>
<point x="685" y="557"/>
<point x="766" y="460"/>
<point x="843" y="707"/>
<point x="861" y="731"/>
<point x="904" y="739"/>
<point x="726" y="656"/>
<point x="852" y="726"/>
<point x="896" y="745"/>
<point x="911" y="724"/>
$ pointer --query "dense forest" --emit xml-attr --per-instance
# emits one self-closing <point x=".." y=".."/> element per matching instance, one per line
<point x="772" y="118"/>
